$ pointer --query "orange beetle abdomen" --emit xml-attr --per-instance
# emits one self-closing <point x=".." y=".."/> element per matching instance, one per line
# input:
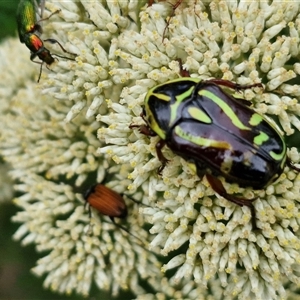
<point x="106" y="201"/>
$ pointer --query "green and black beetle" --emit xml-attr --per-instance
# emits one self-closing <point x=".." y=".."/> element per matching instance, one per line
<point x="29" y="29"/>
<point x="216" y="132"/>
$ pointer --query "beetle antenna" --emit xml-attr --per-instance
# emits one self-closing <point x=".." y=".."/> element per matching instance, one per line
<point x="127" y="230"/>
<point x="136" y="201"/>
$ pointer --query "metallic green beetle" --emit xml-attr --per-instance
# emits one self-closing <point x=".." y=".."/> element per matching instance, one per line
<point x="29" y="29"/>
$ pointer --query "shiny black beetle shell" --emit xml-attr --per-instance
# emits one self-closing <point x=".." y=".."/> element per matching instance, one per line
<point x="217" y="132"/>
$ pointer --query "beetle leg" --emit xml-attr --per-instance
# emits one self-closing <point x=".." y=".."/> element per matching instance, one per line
<point x="173" y="13"/>
<point x="150" y="2"/>
<point x="135" y="201"/>
<point x="144" y="129"/>
<point x="53" y="41"/>
<point x="182" y="71"/>
<point x="291" y="165"/>
<point x="218" y="187"/>
<point x="233" y="85"/>
<point x="143" y="115"/>
<point x="44" y="19"/>
<point x="32" y="57"/>
<point x="159" y="145"/>
<point x="126" y="230"/>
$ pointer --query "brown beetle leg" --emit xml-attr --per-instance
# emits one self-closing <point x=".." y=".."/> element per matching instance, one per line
<point x="218" y="187"/>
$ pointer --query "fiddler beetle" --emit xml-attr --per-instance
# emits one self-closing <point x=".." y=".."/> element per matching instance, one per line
<point x="215" y="132"/>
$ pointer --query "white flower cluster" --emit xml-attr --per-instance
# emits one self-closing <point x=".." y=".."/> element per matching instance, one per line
<point x="51" y="161"/>
<point x="123" y="49"/>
